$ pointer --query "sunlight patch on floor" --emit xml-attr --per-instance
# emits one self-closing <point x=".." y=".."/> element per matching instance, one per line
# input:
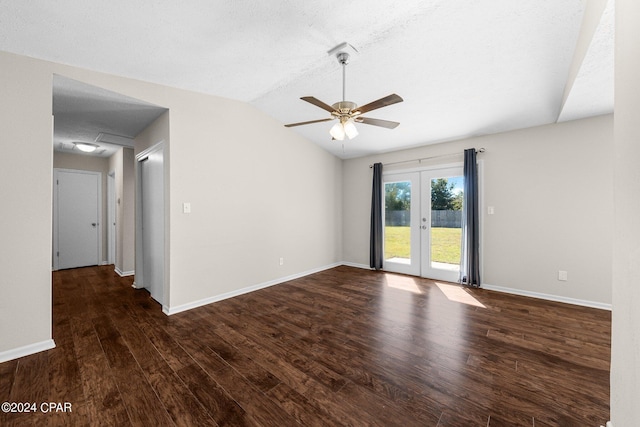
<point x="458" y="294"/>
<point x="403" y="283"/>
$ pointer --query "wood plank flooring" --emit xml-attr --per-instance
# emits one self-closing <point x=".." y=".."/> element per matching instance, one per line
<point x="341" y="347"/>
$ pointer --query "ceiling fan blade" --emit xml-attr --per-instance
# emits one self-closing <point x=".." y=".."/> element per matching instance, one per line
<point x="318" y="103"/>
<point x="309" y="122"/>
<point x="382" y="102"/>
<point x="377" y="122"/>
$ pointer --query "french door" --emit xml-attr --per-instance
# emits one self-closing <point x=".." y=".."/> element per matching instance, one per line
<point x="423" y="223"/>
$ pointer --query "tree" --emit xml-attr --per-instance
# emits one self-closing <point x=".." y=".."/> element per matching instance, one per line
<point x="397" y="196"/>
<point x="457" y="201"/>
<point x="442" y="197"/>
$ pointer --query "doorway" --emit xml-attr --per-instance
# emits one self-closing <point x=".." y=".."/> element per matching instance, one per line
<point x="76" y="224"/>
<point x="423" y="222"/>
<point x="150" y="222"/>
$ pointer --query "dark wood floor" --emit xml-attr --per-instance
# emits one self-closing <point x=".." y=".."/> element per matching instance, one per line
<point x="341" y="347"/>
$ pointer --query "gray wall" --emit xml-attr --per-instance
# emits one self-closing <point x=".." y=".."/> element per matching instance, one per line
<point x="212" y="157"/>
<point x="551" y="187"/>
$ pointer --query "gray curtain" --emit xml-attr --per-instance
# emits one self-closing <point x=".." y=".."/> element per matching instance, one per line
<point x="375" y="250"/>
<point x="470" y="264"/>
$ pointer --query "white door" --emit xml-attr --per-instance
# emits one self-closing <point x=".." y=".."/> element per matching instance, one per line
<point x="402" y="223"/>
<point x="441" y="223"/>
<point x="422" y="223"/>
<point x="152" y="206"/>
<point x="77" y="218"/>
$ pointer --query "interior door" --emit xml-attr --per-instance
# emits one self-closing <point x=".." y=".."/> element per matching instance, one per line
<point x="77" y="197"/>
<point x="441" y="223"/>
<point x="152" y="197"/>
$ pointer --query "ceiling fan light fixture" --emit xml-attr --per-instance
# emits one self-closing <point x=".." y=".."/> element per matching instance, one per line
<point x="86" y="146"/>
<point x="337" y="131"/>
<point x="350" y="129"/>
<point x="348" y="112"/>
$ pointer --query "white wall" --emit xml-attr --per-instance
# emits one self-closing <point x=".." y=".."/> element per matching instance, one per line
<point x="258" y="192"/>
<point x="26" y="214"/>
<point x="156" y="133"/>
<point x="552" y="192"/>
<point x="122" y="163"/>
<point x="126" y="213"/>
<point x="93" y="164"/>
<point x="625" y="348"/>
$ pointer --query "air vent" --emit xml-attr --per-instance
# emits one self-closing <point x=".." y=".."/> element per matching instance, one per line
<point x="109" y="138"/>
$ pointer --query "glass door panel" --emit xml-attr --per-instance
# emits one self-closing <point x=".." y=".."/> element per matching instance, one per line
<point x="442" y="223"/>
<point x="401" y="223"/>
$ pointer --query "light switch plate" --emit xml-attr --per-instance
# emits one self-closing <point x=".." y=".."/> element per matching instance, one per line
<point x="186" y="208"/>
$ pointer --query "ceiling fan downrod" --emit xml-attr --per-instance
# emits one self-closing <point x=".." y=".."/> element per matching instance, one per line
<point x="343" y="59"/>
<point x="344" y="107"/>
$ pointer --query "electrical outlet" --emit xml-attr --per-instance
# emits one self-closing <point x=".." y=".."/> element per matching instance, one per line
<point x="281" y="261"/>
<point x="563" y="276"/>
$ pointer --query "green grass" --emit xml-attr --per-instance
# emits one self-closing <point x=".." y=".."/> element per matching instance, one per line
<point x="396" y="242"/>
<point x="445" y="244"/>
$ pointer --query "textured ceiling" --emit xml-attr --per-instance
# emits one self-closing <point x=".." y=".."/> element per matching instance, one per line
<point x="463" y="67"/>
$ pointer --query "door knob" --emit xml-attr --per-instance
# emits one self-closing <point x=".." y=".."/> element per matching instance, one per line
<point x="424" y="227"/>
<point x="93" y="224"/>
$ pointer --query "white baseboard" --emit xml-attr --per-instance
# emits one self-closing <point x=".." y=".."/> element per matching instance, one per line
<point x="356" y="265"/>
<point x="26" y="350"/>
<point x="548" y="297"/>
<point x="124" y="273"/>
<point x="199" y="303"/>
<point x="188" y="306"/>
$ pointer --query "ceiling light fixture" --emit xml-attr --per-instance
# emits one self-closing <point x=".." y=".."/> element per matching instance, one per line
<point x="345" y="127"/>
<point x="337" y="131"/>
<point x="86" y="146"/>
<point x="350" y="129"/>
<point x="348" y="113"/>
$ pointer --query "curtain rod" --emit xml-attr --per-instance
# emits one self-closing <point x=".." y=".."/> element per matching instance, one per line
<point x="479" y="150"/>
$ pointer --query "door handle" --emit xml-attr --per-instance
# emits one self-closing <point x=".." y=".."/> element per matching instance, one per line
<point x="424" y="227"/>
<point x="93" y="224"/>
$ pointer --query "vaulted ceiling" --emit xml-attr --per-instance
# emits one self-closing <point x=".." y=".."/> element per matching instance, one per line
<point x="463" y="67"/>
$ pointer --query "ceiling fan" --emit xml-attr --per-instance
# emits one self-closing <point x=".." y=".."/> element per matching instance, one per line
<point x="348" y="113"/>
